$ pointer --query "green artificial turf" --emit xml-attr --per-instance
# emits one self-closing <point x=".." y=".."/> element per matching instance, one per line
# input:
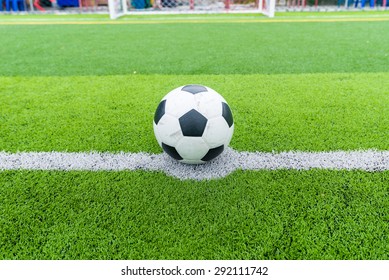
<point x="313" y="112"/>
<point x="282" y="214"/>
<point x="186" y="48"/>
<point x="310" y="86"/>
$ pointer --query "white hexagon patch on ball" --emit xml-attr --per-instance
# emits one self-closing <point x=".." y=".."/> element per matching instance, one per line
<point x="193" y="124"/>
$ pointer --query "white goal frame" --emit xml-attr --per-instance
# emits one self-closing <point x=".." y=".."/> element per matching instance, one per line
<point x="118" y="8"/>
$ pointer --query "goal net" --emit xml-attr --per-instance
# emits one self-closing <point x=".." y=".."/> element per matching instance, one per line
<point x="119" y="8"/>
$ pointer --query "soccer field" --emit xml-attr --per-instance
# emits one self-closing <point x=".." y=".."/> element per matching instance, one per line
<point x="304" y="82"/>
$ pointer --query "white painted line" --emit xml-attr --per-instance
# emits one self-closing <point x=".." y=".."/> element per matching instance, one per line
<point x="229" y="161"/>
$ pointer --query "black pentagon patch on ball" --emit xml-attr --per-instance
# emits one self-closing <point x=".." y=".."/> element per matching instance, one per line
<point x="193" y="123"/>
<point x="212" y="153"/>
<point x="227" y="114"/>
<point x="171" y="151"/>
<point x="160" y="111"/>
<point x="194" y="88"/>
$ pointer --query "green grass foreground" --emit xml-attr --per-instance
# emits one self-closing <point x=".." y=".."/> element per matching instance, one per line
<point x="311" y="112"/>
<point x="310" y="86"/>
<point x="141" y="215"/>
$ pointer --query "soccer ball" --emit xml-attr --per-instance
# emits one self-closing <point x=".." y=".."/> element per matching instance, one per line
<point x="193" y="124"/>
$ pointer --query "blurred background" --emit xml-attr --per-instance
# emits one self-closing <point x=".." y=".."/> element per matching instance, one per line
<point x="101" y="6"/>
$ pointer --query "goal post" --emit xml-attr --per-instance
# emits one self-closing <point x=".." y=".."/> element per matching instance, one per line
<point x="118" y="8"/>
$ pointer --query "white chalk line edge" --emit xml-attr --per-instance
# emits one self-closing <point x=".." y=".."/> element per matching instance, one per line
<point x="229" y="161"/>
